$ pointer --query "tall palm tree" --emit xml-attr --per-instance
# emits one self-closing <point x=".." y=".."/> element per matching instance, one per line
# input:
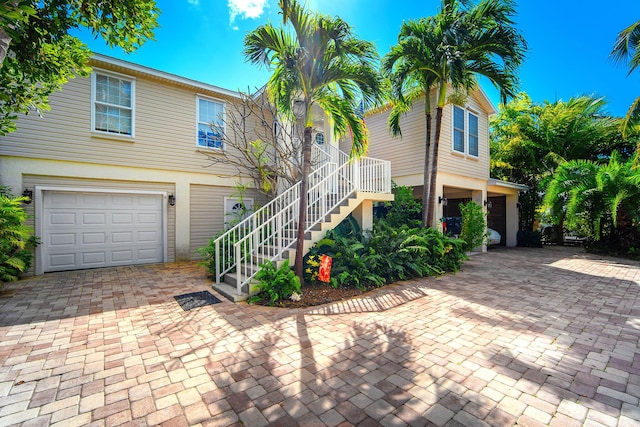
<point x="451" y="48"/>
<point x="320" y="63"/>
<point x="625" y="50"/>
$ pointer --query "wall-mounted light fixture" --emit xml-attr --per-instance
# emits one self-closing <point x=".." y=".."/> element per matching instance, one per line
<point x="172" y="200"/>
<point x="443" y="201"/>
<point x="488" y="204"/>
<point x="28" y="194"/>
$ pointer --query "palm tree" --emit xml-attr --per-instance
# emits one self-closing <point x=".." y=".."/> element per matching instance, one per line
<point x="625" y="50"/>
<point x="320" y="63"/>
<point x="602" y="195"/>
<point x="452" y="48"/>
<point x="530" y="140"/>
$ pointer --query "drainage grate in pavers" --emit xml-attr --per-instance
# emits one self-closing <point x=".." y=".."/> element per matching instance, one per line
<point x="196" y="299"/>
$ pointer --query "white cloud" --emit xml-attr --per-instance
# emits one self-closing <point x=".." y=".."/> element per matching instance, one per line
<point x="193" y="2"/>
<point x="245" y="9"/>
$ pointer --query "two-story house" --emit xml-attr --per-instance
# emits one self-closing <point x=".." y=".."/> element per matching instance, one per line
<point x="463" y="160"/>
<point x="119" y="173"/>
<point x="116" y="170"/>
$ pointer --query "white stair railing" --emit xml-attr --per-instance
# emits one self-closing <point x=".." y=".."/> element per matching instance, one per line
<point x="271" y="230"/>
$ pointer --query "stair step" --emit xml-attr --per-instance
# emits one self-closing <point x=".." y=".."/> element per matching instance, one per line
<point x="232" y="278"/>
<point x="230" y="292"/>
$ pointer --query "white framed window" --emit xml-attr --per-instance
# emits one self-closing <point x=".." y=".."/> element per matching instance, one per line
<point x="465" y="132"/>
<point x="319" y="138"/>
<point x="112" y="104"/>
<point x="458" y="129"/>
<point x="210" y="127"/>
<point x="472" y="136"/>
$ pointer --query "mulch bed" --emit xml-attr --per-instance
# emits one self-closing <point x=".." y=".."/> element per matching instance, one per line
<point x="318" y="294"/>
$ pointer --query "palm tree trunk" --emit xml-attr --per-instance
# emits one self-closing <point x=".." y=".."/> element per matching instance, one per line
<point x="302" y="216"/>
<point x="426" y="187"/>
<point x="434" y="166"/>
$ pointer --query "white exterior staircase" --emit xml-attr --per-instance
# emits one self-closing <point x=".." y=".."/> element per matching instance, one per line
<point x="337" y="186"/>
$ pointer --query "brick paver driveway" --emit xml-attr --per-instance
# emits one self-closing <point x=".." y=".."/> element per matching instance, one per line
<point x="520" y="336"/>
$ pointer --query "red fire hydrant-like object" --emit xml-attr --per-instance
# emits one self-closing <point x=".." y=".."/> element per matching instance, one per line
<point x="324" y="272"/>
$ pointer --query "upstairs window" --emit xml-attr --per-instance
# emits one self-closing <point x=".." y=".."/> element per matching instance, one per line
<point x="465" y="132"/>
<point x="113" y="104"/>
<point x="210" y="123"/>
<point x="319" y="138"/>
<point x="458" y="129"/>
<point x="473" y="134"/>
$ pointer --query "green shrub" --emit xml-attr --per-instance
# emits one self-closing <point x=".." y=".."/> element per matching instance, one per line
<point x="16" y="239"/>
<point x="474" y="226"/>
<point x="387" y="254"/>
<point x="276" y="284"/>
<point x="350" y="258"/>
<point x="405" y="209"/>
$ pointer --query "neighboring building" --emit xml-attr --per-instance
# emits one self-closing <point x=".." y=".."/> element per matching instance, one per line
<point x="117" y="171"/>
<point x="463" y="161"/>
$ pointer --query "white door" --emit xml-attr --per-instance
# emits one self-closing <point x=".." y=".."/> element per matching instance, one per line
<point x="94" y="229"/>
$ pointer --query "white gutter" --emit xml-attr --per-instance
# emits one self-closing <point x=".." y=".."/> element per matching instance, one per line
<point x="162" y="75"/>
<point x="507" y="184"/>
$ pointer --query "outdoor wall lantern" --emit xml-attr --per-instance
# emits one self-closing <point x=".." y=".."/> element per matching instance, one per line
<point x="443" y="201"/>
<point x="488" y="204"/>
<point x="172" y="200"/>
<point x="28" y="194"/>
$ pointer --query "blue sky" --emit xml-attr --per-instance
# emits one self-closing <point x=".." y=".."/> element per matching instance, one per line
<point x="569" y="42"/>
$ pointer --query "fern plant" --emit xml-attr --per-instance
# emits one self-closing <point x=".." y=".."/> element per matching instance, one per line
<point x="275" y="283"/>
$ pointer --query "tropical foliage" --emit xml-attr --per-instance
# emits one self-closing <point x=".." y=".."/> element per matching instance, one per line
<point x="276" y="283"/>
<point x="316" y="60"/>
<point x="405" y="209"/>
<point x="530" y="140"/>
<point x="386" y="253"/>
<point x="38" y="55"/>
<point x="16" y="238"/>
<point x="600" y="199"/>
<point x="451" y="49"/>
<point x="474" y="225"/>
<point x="625" y="50"/>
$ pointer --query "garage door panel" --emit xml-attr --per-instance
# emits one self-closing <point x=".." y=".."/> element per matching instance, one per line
<point x="122" y="218"/>
<point x="62" y="239"/>
<point x="63" y="261"/>
<point x="122" y="256"/>
<point x="149" y="202"/>
<point x="99" y="230"/>
<point x="120" y="201"/>
<point x="93" y="218"/>
<point x="90" y="259"/>
<point x="147" y="254"/>
<point x="147" y="218"/>
<point x="61" y="218"/>
<point x="94" y="238"/>
<point x="63" y="200"/>
<point x="94" y="200"/>
<point x="148" y="236"/>
<point x="122" y="237"/>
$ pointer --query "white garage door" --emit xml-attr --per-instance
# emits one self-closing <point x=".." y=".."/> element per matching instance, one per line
<point x="89" y="230"/>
